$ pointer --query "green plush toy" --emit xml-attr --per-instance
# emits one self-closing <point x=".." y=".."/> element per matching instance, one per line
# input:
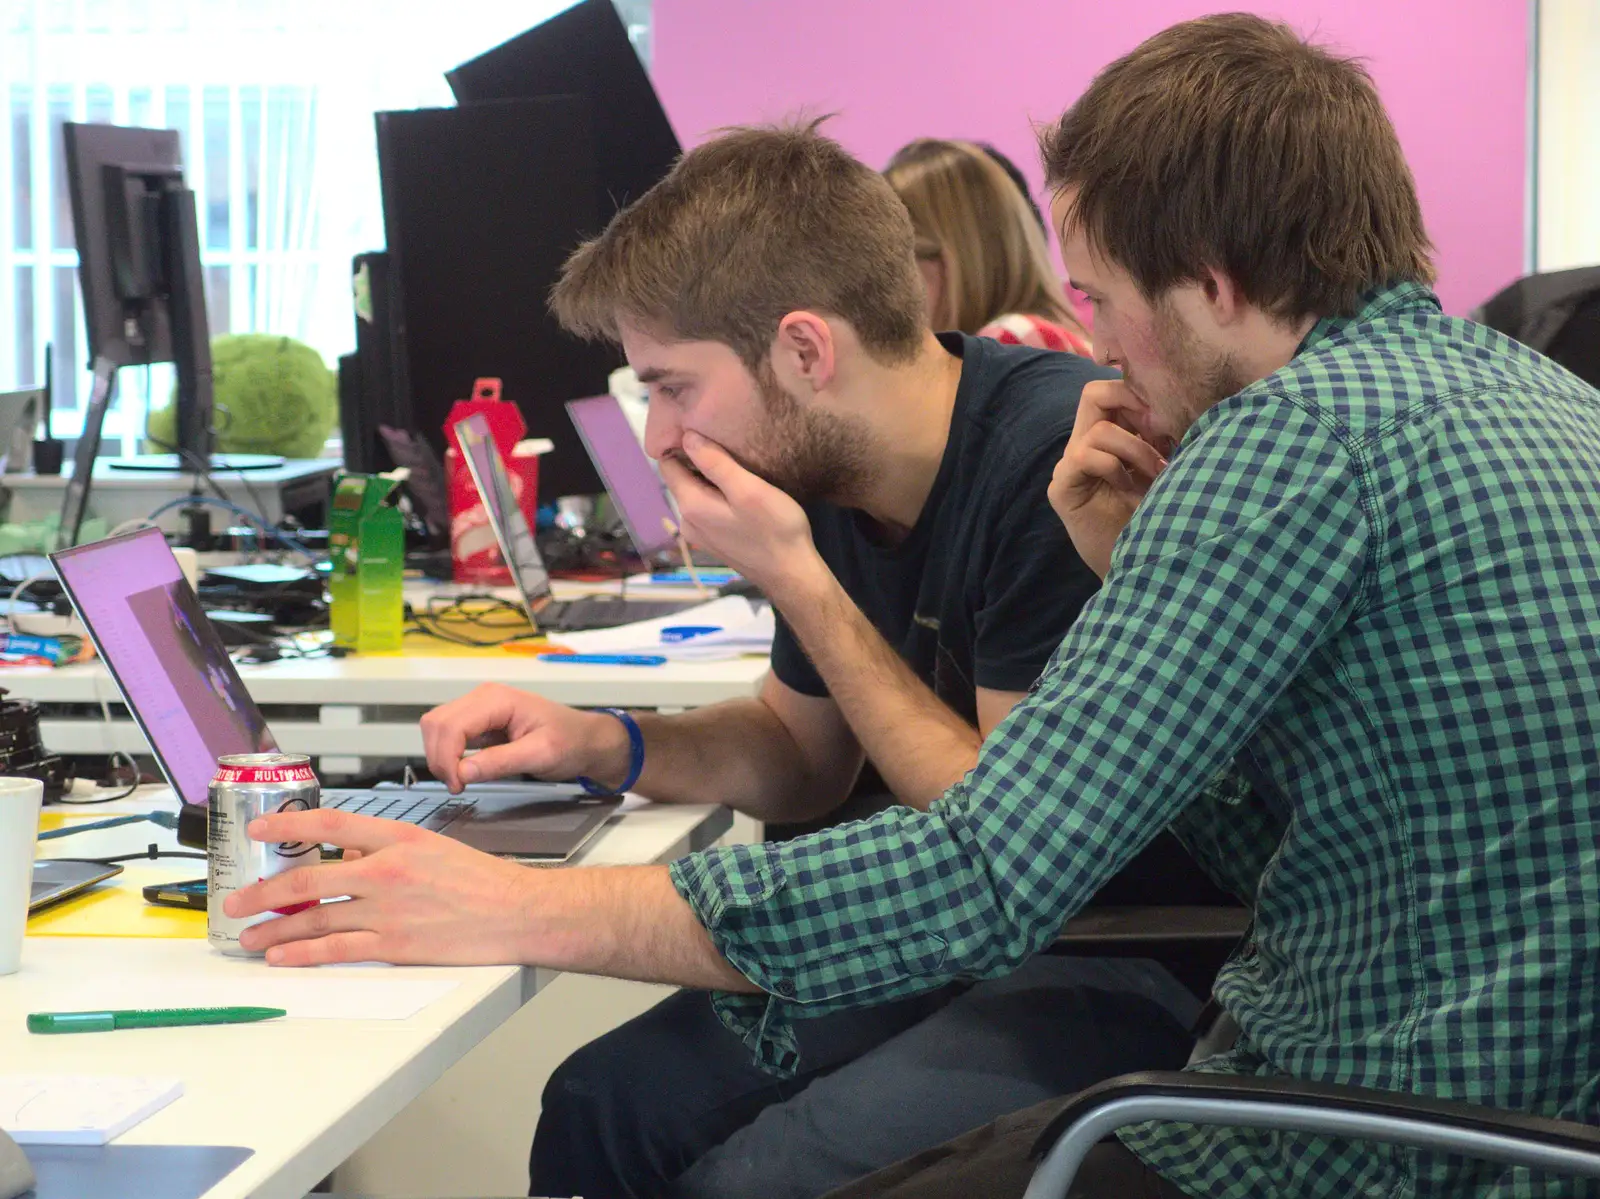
<point x="274" y="395"/>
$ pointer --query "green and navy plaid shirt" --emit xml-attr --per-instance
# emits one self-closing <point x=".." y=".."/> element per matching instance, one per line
<point x="1369" y="587"/>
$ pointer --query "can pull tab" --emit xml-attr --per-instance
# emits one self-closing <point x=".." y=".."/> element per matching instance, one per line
<point x="408" y="779"/>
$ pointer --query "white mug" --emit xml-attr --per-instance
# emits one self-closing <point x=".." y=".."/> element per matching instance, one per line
<point x="19" y="834"/>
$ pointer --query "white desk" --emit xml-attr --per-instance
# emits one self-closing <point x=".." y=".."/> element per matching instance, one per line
<point x="120" y="495"/>
<point x="304" y="1095"/>
<point x="340" y="709"/>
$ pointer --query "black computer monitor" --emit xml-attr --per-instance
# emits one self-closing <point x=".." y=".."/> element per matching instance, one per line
<point x="373" y="387"/>
<point x="481" y="206"/>
<point x="584" y="51"/>
<point x="143" y="293"/>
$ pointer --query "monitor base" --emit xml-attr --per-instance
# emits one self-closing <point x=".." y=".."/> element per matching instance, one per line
<point x="172" y="462"/>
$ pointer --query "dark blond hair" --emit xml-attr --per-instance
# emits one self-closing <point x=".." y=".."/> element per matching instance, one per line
<point x="744" y="230"/>
<point x="969" y="216"/>
<point x="1229" y="143"/>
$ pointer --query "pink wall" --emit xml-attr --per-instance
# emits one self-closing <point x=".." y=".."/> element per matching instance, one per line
<point x="1452" y="72"/>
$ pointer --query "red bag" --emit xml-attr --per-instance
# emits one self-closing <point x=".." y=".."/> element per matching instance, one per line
<point x="474" y="552"/>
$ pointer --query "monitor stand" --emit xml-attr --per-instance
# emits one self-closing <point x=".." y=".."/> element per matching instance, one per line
<point x="174" y="463"/>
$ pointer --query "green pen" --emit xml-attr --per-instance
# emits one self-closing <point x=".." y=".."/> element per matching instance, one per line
<point x="56" y="1022"/>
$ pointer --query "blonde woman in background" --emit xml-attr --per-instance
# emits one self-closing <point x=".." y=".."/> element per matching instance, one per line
<point x="981" y="249"/>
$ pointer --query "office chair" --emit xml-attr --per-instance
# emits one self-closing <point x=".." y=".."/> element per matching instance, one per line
<point x="1359" y="1113"/>
<point x="1164" y="907"/>
<point x="1556" y="313"/>
<point x="1191" y="940"/>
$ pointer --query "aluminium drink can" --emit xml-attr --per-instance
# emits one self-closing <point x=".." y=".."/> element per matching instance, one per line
<point x="244" y="787"/>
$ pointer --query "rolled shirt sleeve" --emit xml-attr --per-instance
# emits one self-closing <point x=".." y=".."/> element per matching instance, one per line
<point x="1243" y="560"/>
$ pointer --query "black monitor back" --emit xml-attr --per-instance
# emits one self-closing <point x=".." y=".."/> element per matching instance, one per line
<point x="584" y="51"/>
<point x="481" y="206"/>
<point x="373" y="389"/>
<point x="89" y="148"/>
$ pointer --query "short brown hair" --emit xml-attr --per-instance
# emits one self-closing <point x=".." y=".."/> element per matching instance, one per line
<point x="968" y="214"/>
<point x="1230" y="143"/>
<point x="744" y="230"/>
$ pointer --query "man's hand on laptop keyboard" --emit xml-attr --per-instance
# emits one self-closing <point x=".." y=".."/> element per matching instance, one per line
<point x="524" y="734"/>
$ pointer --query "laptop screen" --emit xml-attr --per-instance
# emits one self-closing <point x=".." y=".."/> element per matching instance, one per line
<point x="629" y="474"/>
<point x="506" y="517"/>
<point x="167" y="660"/>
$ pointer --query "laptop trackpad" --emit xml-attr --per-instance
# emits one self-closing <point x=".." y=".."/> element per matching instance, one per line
<point x="542" y="829"/>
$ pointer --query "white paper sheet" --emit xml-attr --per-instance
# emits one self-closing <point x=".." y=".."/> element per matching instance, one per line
<point x="742" y="628"/>
<point x="79" y="1109"/>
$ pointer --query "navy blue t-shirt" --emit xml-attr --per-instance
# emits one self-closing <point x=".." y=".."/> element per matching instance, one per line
<point x="982" y="589"/>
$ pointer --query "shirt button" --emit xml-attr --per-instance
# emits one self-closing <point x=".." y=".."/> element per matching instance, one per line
<point x="783" y="988"/>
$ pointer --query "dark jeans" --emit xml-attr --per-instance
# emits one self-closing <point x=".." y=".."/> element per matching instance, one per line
<point x="670" y="1103"/>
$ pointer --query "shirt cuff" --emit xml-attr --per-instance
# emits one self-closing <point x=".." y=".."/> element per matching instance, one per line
<point x="773" y="929"/>
<point x="712" y="883"/>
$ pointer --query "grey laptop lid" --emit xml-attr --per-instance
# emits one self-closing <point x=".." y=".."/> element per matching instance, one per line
<point x="506" y="518"/>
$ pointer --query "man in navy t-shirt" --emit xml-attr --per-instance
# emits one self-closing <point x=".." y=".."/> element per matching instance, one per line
<point x="886" y="488"/>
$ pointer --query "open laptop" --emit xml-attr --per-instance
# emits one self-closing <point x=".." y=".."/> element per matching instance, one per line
<point x="191" y="705"/>
<point x="632" y="482"/>
<point x="630" y="477"/>
<point x="521" y="553"/>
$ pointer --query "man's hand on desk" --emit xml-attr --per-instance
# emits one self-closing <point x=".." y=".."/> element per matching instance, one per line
<point x="416" y="898"/>
<point x="524" y="734"/>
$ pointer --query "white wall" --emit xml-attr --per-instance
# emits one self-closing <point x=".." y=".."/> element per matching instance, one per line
<point x="1569" y="134"/>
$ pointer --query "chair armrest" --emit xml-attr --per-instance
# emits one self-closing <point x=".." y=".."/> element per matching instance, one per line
<point x="1356" y="1113"/>
<point x="1147" y="930"/>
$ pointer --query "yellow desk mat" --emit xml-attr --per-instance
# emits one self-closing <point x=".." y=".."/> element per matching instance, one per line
<point x="52" y="819"/>
<point x="116" y="908"/>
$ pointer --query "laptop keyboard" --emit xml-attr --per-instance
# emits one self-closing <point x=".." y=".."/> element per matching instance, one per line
<point x="601" y="612"/>
<point x="406" y="806"/>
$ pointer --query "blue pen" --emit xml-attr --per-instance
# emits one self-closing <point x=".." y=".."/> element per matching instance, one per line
<point x="711" y="578"/>
<point x="606" y="659"/>
<point x="683" y="632"/>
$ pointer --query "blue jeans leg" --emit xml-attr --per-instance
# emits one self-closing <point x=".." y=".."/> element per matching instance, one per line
<point x="633" y="1109"/>
<point x="1055" y="1026"/>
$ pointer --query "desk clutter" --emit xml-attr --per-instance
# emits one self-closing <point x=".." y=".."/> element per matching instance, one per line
<point x="286" y="585"/>
<point x="118" y="908"/>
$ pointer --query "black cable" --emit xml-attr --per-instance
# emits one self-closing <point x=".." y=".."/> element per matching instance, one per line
<point x="198" y="467"/>
<point x="473" y="609"/>
<point x="201" y="469"/>
<point x="442" y="610"/>
<point x="150" y="854"/>
<point x="244" y="475"/>
<point x="123" y="794"/>
<point x="419" y="625"/>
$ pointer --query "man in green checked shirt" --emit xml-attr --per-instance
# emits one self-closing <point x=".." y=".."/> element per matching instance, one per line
<point x="1351" y="552"/>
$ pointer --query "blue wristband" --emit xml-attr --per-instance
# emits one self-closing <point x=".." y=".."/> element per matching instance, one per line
<point x="635" y="756"/>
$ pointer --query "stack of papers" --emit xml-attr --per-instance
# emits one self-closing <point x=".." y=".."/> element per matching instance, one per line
<point x="734" y="625"/>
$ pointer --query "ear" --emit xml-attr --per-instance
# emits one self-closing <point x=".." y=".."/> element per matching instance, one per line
<point x="804" y="354"/>
<point x="1222" y="297"/>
